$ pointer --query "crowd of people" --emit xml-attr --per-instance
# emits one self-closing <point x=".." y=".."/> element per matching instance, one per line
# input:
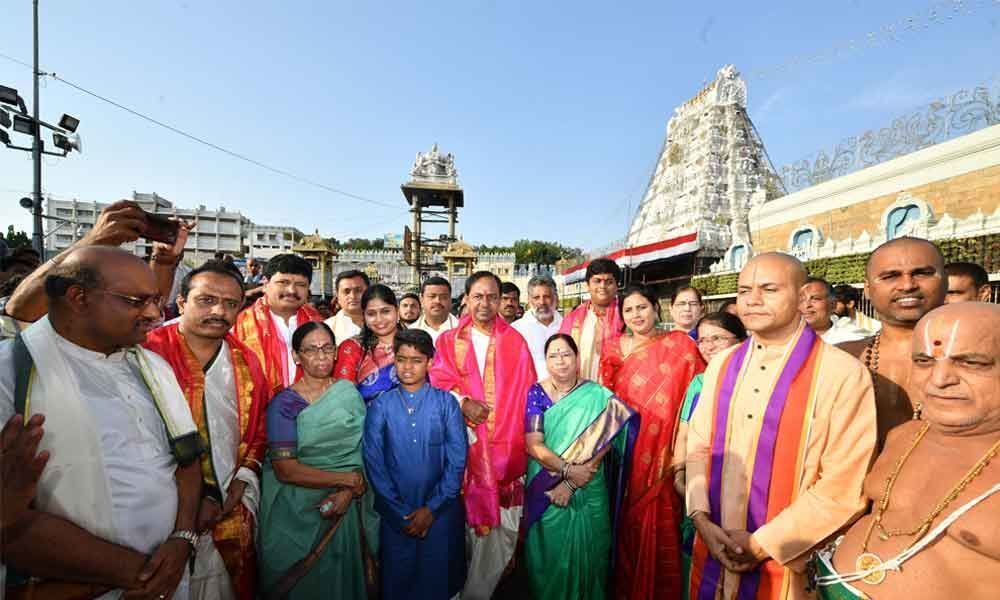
<point x="783" y="446"/>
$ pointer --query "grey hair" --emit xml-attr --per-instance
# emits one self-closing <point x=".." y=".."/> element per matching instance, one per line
<point x="538" y="280"/>
<point x="63" y="277"/>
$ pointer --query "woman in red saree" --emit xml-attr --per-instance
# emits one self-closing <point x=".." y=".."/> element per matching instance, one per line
<point x="650" y="370"/>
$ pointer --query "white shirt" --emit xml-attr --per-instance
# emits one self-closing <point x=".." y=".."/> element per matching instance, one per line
<point x="286" y="330"/>
<point x="535" y="333"/>
<point x="136" y="452"/>
<point x="343" y="327"/>
<point x="450" y="322"/>
<point x="844" y="330"/>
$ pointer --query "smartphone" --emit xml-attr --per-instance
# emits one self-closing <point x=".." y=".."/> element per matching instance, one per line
<point x="160" y="228"/>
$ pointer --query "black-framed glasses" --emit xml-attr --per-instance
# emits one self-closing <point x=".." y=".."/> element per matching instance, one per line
<point x="311" y="351"/>
<point x="138" y="302"/>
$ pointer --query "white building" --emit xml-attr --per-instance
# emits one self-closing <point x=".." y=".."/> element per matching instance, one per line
<point x="214" y="231"/>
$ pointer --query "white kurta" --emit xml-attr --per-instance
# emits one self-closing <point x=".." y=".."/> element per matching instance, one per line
<point x="449" y="323"/>
<point x="535" y="333"/>
<point x="489" y="554"/>
<point x="136" y="453"/>
<point x="285" y="330"/>
<point x="343" y="327"/>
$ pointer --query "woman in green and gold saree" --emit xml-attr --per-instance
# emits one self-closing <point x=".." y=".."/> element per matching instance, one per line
<point x="569" y="513"/>
<point x="314" y="474"/>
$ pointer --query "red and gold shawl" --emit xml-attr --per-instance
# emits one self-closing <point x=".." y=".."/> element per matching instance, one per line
<point x="255" y="328"/>
<point x="234" y="535"/>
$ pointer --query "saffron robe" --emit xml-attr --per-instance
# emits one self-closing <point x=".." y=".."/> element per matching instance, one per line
<point x="255" y="329"/>
<point x="778" y="445"/>
<point x="651" y="380"/>
<point x="234" y="535"/>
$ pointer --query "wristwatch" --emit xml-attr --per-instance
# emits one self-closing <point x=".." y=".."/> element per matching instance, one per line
<point x="191" y="538"/>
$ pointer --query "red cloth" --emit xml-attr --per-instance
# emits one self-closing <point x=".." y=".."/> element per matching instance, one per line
<point x="652" y="380"/>
<point x="497" y="460"/>
<point x="234" y="535"/>
<point x="255" y="328"/>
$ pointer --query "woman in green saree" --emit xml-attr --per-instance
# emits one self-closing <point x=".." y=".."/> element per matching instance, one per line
<point x="313" y="474"/>
<point x="570" y="425"/>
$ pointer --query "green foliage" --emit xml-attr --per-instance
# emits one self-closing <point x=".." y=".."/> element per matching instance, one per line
<point x="16" y="239"/>
<point x="983" y="250"/>
<point x="536" y="251"/>
<point x="356" y="244"/>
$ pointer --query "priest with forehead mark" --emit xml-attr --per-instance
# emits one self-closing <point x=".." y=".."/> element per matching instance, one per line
<point x="934" y="491"/>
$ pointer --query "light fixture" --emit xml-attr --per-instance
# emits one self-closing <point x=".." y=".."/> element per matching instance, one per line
<point x="27" y="203"/>
<point x="8" y="95"/>
<point x="67" y="143"/>
<point x="24" y="125"/>
<point x="69" y="123"/>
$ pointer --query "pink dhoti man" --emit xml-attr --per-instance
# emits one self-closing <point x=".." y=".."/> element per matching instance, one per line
<point x="494" y="368"/>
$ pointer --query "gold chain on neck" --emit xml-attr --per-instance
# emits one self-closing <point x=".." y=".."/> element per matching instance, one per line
<point x="921" y="528"/>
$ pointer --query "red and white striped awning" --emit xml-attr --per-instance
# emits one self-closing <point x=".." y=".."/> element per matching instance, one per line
<point x="637" y="255"/>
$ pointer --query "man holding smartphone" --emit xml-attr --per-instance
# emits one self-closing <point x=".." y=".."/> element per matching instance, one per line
<point x="119" y="223"/>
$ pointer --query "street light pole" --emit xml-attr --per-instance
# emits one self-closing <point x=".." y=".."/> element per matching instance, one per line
<point x="36" y="156"/>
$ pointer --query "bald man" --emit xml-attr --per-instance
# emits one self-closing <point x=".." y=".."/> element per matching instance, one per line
<point x="116" y="504"/>
<point x="777" y="455"/>
<point x="934" y="488"/>
<point x="905" y="279"/>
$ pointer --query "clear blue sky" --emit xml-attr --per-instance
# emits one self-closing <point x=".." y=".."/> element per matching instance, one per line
<point x="555" y="111"/>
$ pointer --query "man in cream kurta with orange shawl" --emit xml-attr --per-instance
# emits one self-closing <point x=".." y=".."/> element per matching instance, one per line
<point x="596" y="323"/>
<point x="778" y="448"/>
<point x="486" y="364"/>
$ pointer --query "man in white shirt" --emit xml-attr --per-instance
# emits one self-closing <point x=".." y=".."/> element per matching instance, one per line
<point x="350" y="285"/>
<point x="541" y="322"/>
<point x="268" y="324"/>
<point x="435" y="304"/>
<point x="817" y="306"/>
<point x="116" y="503"/>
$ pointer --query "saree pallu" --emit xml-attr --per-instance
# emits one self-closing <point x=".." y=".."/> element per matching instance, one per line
<point x="652" y="380"/>
<point x="329" y="438"/>
<point x="373" y="372"/>
<point x="568" y="550"/>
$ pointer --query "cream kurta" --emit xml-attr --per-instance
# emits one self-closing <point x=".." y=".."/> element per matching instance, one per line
<point x="839" y="449"/>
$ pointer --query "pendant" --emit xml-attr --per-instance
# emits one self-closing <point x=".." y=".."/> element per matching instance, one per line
<point x="870" y="561"/>
<point x="883" y="536"/>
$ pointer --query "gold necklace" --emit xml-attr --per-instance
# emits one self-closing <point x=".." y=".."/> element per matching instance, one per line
<point x="568" y="390"/>
<point x="868" y="560"/>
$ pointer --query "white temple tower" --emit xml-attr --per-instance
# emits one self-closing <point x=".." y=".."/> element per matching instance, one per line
<point x="711" y="171"/>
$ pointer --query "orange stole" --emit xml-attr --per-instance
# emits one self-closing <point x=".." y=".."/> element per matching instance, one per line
<point x="789" y="454"/>
<point x="234" y="534"/>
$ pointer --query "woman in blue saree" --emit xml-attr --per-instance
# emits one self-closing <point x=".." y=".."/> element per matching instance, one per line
<point x="570" y="500"/>
<point x="313" y="474"/>
<point x="367" y="360"/>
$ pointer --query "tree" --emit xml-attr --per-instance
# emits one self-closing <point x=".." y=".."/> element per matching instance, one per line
<point x="536" y="251"/>
<point x="16" y="239"/>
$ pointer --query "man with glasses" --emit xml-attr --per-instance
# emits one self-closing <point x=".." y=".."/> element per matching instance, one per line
<point x="228" y="393"/>
<point x="486" y="364"/>
<point x="267" y="326"/>
<point x="597" y="322"/>
<point x="541" y="322"/>
<point x="116" y="505"/>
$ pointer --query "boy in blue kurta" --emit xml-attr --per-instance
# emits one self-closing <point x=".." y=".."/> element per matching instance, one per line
<point x="414" y="449"/>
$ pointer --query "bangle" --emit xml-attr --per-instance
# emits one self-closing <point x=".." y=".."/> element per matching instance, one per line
<point x="572" y="488"/>
<point x="564" y="472"/>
